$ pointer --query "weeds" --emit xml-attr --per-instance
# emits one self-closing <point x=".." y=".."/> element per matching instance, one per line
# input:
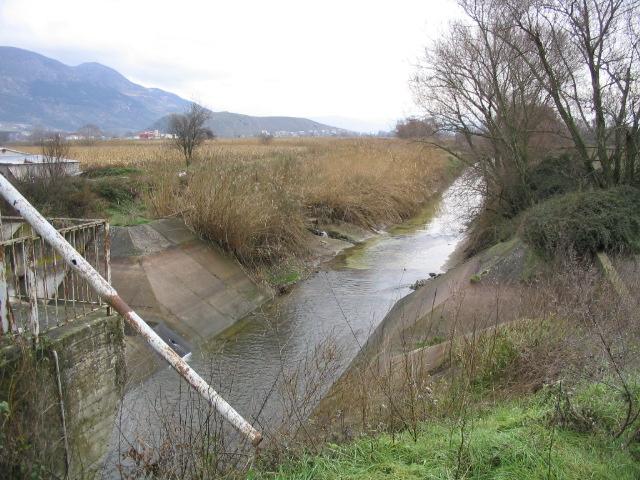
<point x="508" y="441"/>
<point x="31" y="444"/>
<point x="533" y="392"/>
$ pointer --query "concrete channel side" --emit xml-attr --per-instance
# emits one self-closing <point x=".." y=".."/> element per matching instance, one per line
<point x="413" y="312"/>
<point x="91" y="372"/>
<point x="186" y="289"/>
<point x="409" y="319"/>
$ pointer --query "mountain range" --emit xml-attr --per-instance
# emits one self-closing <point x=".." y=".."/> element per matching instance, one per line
<point x="227" y="124"/>
<point x="38" y="91"/>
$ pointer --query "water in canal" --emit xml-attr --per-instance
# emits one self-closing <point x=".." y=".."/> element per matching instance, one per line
<point x="327" y="316"/>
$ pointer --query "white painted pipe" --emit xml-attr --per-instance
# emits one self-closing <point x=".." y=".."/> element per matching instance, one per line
<point x="106" y="291"/>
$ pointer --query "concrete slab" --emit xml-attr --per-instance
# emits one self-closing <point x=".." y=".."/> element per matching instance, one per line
<point x="176" y="265"/>
<point x="174" y="230"/>
<point x="131" y="282"/>
<point x="214" y="260"/>
<point x="205" y="320"/>
<point x="121" y="244"/>
<point x="179" y="282"/>
<point x="148" y="240"/>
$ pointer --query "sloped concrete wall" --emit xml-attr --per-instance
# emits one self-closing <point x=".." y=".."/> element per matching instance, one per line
<point x="186" y="289"/>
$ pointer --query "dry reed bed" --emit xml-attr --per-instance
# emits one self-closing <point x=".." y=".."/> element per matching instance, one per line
<point x="256" y="200"/>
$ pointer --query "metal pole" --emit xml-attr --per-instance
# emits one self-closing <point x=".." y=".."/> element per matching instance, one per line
<point x="4" y="295"/>
<point x="67" y="456"/>
<point x="78" y="263"/>
<point x="107" y="256"/>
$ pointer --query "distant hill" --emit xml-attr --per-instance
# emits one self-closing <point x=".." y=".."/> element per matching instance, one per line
<point x="39" y="91"/>
<point x="227" y="124"/>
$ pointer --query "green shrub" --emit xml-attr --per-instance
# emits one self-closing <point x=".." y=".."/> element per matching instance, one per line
<point x="112" y="171"/>
<point x="62" y="197"/>
<point x="497" y="352"/>
<point x="586" y="222"/>
<point x="554" y="176"/>
<point x="81" y="197"/>
<point x="501" y="216"/>
<point x="117" y="190"/>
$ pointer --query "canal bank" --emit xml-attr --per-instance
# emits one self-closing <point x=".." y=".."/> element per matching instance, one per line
<point x="277" y="363"/>
<point x="412" y="342"/>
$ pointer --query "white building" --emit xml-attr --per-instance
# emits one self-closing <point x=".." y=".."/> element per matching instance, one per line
<point x="19" y="165"/>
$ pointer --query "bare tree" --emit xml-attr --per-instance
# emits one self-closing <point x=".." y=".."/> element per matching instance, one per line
<point x="586" y="55"/>
<point x="189" y="130"/>
<point x="478" y="89"/>
<point x="516" y="73"/>
<point x="55" y="150"/>
<point x="415" y="128"/>
<point x="90" y="131"/>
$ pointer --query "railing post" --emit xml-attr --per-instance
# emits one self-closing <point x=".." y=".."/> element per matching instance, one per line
<point x="4" y="295"/>
<point x="32" y="287"/>
<point x="107" y="257"/>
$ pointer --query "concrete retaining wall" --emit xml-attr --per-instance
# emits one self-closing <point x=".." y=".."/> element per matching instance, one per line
<point x="92" y="376"/>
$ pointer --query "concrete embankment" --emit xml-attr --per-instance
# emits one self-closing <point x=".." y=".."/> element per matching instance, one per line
<point x="187" y="289"/>
<point x="428" y="313"/>
<point x="477" y="294"/>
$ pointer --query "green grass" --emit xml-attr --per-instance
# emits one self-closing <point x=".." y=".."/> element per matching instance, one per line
<point x="127" y="215"/>
<point x="601" y="407"/>
<point x="510" y="441"/>
<point x="430" y="342"/>
<point x="286" y="274"/>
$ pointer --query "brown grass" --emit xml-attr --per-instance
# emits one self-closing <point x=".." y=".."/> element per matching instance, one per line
<point x="256" y="200"/>
<point x="141" y="152"/>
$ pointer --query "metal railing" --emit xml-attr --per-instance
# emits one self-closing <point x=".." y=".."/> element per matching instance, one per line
<point x="78" y="265"/>
<point x="40" y="290"/>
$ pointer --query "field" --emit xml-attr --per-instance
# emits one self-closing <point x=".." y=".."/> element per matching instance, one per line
<point x="258" y="200"/>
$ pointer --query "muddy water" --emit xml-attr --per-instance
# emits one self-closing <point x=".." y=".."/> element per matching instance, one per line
<point x="318" y="328"/>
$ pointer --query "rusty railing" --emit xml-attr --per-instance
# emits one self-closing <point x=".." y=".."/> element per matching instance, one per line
<point x="40" y="291"/>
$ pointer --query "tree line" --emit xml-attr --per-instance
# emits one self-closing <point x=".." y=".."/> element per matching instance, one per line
<point x="515" y="81"/>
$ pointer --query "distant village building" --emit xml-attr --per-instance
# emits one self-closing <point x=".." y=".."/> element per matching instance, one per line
<point x="147" y="135"/>
<point x="21" y="165"/>
<point x="150" y="135"/>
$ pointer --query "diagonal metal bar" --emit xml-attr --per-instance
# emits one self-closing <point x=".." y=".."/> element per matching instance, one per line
<point x="80" y="265"/>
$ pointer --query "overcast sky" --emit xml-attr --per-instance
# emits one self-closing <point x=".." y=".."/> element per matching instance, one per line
<point x="334" y="58"/>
